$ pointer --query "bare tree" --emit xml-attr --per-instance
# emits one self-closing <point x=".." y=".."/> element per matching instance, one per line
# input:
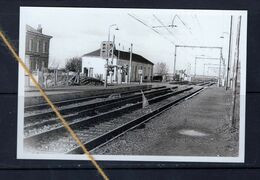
<point x="161" y="68"/>
<point x="74" y="64"/>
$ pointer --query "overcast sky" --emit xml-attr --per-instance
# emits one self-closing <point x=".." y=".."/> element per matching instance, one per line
<point x="77" y="31"/>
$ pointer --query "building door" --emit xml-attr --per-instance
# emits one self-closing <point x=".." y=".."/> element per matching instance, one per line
<point x="90" y="72"/>
<point x="85" y="71"/>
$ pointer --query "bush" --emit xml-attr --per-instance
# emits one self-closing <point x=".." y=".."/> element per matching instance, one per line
<point x="74" y="64"/>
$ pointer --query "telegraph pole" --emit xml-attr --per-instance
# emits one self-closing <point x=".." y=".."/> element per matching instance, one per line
<point x="232" y="117"/>
<point x="219" y="72"/>
<point x="130" y="64"/>
<point x="229" y="52"/>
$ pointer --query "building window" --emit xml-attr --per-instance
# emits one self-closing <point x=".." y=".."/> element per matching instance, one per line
<point x="30" y="45"/>
<point x="38" y="46"/>
<point x="44" y="47"/>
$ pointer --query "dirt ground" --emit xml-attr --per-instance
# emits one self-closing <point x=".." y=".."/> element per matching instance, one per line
<point x="196" y="127"/>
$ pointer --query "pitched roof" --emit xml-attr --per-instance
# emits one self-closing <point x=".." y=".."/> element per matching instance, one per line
<point x="123" y="55"/>
<point x="32" y="30"/>
<point x="93" y="53"/>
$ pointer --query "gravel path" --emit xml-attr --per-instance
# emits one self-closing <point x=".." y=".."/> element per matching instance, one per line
<point x="205" y="114"/>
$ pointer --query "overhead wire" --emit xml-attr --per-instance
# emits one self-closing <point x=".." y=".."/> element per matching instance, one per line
<point x="170" y="32"/>
<point x="139" y="20"/>
<point x="159" y="33"/>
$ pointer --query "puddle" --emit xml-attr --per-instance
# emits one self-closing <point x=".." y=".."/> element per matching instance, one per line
<point x="191" y="132"/>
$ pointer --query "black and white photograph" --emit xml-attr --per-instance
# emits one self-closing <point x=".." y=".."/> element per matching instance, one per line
<point x="133" y="84"/>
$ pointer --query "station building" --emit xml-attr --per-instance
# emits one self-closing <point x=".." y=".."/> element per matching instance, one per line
<point x="93" y="65"/>
<point x="36" y="51"/>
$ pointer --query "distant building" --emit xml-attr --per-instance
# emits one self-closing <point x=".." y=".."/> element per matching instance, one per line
<point x="93" y="66"/>
<point x="36" y="50"/>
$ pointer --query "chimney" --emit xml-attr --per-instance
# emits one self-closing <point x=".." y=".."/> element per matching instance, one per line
<point x="39" y="28"/>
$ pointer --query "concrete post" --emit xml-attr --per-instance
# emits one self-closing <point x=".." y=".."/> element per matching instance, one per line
<point x="110" y="77"/>
<point x="126" y="79"/>
<point x="55" y="76"/>
<point x="119" y="75"/>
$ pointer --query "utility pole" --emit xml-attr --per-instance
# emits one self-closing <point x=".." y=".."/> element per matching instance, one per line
<point x="106" y="65"/>
<point x="130" y="64"/>
<point x="174" y="61"/>
<point x="112" y="61"/>
<point x="223" y="70"/>
<point x="219" y="72"/>
<point x="118" y="59"/>
<point x="232" y="117"/>
<point x="113" y="46"/>
<point x="229" y="52"/>
<point x="118" y="51"/>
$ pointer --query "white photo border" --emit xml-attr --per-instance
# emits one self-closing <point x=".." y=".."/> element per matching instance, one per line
<point x="20" y="109"/>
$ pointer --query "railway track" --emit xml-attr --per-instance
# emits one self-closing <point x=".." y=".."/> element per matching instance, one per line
<point x="80" y="100"/>
<point x="205" y="83"/>
<point x="126" y="126"/>
<point x="110" y="119"/>
<point x="47" y="120"/>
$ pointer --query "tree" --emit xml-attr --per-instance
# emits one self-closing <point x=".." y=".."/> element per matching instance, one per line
<point x="161" y="68"/>
<point x="74" y="64"/>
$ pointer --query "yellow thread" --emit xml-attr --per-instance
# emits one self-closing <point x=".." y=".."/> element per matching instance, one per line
<point x="63" y="121"/>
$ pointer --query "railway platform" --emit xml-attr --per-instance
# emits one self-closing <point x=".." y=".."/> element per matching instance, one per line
<point x="33" y="97"/>
<point x="198" y="126"/>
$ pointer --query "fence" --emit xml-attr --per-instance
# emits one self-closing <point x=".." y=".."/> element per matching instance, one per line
<point x="61" y="78"/>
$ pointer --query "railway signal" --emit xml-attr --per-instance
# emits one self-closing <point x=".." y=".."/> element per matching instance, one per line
<point x="106" y="49"/>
